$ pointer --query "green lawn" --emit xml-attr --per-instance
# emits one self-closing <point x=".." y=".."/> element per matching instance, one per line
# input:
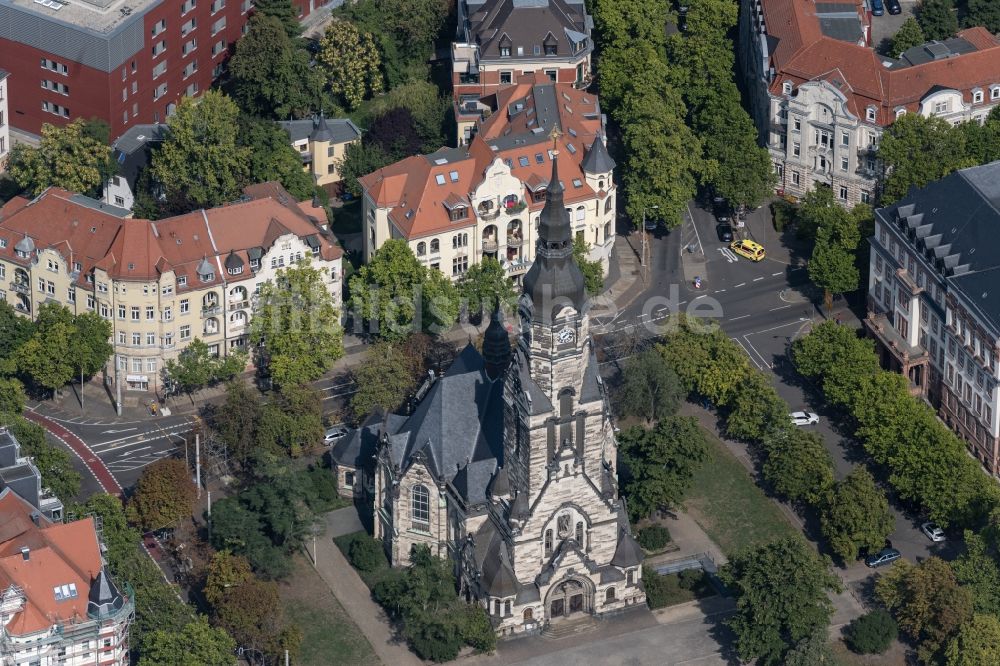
<point x="729" y="506"/>
<point x="329" y="636"/>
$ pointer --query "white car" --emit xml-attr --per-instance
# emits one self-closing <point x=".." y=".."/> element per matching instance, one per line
<point x="804" y="418"/>
<point x="334" y="434"/>
<point x="933" y="532"/>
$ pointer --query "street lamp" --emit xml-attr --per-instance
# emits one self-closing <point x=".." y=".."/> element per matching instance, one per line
<point x="642" y="257"/>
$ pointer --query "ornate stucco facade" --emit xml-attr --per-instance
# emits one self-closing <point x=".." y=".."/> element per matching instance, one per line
<point x="508" y="463"/>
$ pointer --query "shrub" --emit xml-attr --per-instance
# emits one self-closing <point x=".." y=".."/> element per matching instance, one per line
<point x="871" y="633"/>
<point x="656" y="589"/>
<point x="654" y="537"/>
<point x="689" y="579"/>
<point x="365" y="553"/>
<point x="477" y="631"/>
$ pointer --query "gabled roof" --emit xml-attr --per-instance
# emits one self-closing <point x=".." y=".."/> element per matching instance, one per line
<point x="320" y="128"/>
<point x="526" y="23"/>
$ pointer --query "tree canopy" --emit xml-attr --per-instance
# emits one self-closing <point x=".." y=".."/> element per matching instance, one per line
<point x="650" y="388"/>
<point x="593" y="271"/>
<point x="351" y="61"/>
<point x="201" y="645"/>
<point x="69" y="157"/>
<point x="196" y="367"/>
<point x="909" y="34"/>
<point x="985" y="13"/>
<point x="53" y="463"/>
<point x="857" y="517"/>
<point x="799" y="466"/>
<point x="976" y="644"/>
<point x="781" y="598"/>
<point x="164" y="495"/>
<point x="485" y="284"/>
<point x="937" y="18"/>
<point x="296" y="326"/>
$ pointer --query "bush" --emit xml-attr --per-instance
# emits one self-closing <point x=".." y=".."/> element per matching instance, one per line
<point x="654" y="537"/>
<point x="784" y="214"/>
<point x="871" y="633"/>
<point x="365" y="553"/>
<point x="689" y="579"/>
<point x="478" y="632"/>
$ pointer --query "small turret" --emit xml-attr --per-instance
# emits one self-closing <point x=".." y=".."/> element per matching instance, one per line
<point x="496" y="345"/>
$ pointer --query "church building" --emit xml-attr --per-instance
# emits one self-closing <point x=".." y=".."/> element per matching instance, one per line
<point x="507" y="463"/>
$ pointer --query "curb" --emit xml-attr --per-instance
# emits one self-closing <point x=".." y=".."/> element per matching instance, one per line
<point x="96" y="466"/>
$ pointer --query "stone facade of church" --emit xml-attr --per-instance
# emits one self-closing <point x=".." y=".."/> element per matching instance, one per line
<point x="507" y="464"/>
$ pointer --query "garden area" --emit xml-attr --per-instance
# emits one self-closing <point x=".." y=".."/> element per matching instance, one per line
<point x="677" y="588"/>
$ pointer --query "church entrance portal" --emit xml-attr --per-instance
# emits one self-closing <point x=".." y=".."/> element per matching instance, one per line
<point x="568" y="598"/>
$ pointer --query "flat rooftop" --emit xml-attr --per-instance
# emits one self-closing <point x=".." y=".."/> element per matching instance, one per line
<point x="100" y="16"/>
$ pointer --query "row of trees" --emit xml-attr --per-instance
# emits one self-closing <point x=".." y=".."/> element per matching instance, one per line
<point x="680" y="114"/>
<point x="917" y="150"/>
<point x="938" y="19"/>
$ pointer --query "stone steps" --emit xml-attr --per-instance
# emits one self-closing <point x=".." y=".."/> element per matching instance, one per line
<point x="564" y="628"/>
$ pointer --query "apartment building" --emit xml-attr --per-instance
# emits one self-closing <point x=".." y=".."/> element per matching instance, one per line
<point x="322" y="144"/>
<point x="4" y="122"/>
<point x="458" y="205"/>
<point x="498" y="41"/>
<point x="19" y="473"/>
<point x="160" y="284"/>
<point x="132" y="151"/>
<point x="58" y="603"/>
<point x="933" y="302"/>
<point x="125" y="61"/>
<point x="821" y="97"/>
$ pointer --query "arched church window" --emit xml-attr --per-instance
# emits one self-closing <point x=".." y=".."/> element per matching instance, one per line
<point x="562" y="525"/>
<point x="579" y="532"/>
<point x="630" y="577"/>
<point x="496" y="606"/>
<point x="506" y="608"/>
<point x="528" y="615"/>
<point x="565" y="403"/>
<point x="420" y="501"/>
<point x="548" y="542"/>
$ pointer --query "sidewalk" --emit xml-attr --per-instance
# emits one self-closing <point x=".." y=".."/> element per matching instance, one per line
<point x="690" y="539"/>
<point x="356" y="599"/>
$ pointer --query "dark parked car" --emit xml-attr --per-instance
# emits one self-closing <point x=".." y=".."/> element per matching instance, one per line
<point x="884" y="556"/>
<point x="877" y="7"/>
<point x="725" y="231"/>
<point x="893" y="6"/>
<point x="723" y="212"/>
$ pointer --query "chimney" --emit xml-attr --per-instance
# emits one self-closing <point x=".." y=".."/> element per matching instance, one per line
<point x="25" y="553"/>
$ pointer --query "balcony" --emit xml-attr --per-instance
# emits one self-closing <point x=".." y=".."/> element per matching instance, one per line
<point x="488" y="215"/>
<point x="514" y="241"/>
<point x="490" y="245"/>
<point x="239" y="305"/>
<point x="911" y="361"/>
<point x="518" y="267"/>
<point x="210" y="310"/>
<point x="20" y="287"/>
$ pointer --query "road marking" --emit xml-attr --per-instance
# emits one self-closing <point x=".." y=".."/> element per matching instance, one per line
<point x="695" y="227"/>
<point x="764" y="360"/>
<point x="778" y="273"/>
<point x="682" y="303"/>
<point x="775" y="328"/>
<point x="758" y="279"/>
<point x="129" y="453"/>
<point x="780" y="308"/>
<point x="113" y="432"/>
<point x="700" y="296"/>
<point x="741" y="284"/>
<point x="740" y="317"/>
<point x="747" y="352"/>
<point x="719" y="291"/>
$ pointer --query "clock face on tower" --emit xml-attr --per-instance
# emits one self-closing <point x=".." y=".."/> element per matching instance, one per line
<point x="565" y="335"/>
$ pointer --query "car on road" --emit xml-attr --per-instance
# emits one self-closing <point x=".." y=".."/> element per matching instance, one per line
<point x="877" y="7"/>
<point x="933" y="532"/>
<point x="652" y="224"/>
<point x="893" y="6"/>
<point x="334" y="434"/>
<point x="804" y="418"/>
<point x="725" y="231"/>
<point x="722" y="210"/>
<point x="748" y="248"/>
<point x="883" y="557"/>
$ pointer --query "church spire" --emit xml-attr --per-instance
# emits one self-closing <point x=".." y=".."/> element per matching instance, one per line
<point x="554" y="277"/>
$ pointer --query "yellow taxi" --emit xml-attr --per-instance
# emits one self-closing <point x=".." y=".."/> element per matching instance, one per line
<point x="747" y="248"/>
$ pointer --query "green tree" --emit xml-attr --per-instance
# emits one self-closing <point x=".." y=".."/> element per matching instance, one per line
<point x="977" y="570"/>
<point x="631" y="21"/>
<point x="871" y="633"/>
<point x="485" y="284"/>
<point x="908" y="35"/>
<point x="200" y="163"/>
<point x="16" y="331"/>
<point x="427" y="107"/>
<point x="781" y="598"/>
<point x="397" y="294"/>
<point x="384" y="380"/>
<point x="756" y="411"/>
<point x="983" y="12"/>
<point x="53" y="462"/>
<point x="937" y="19"/>
<point x="927" y="601"/>
<point x="660" y="463"/>
<point x="293" y="423"/>
<point x="12" y="397"/>
<point x="225" y="570"/>
<point x="250" y="612"/>
<point x="196" y="367"/>
<point x="832" y="267"/>
<point x="296" y="326"/>
<point x="282" y="10"/>
<point x="813" y="650"/>
<point x="164" y="495"/>
<point x="270" y="76"/>
<point x="835" y="355"/>
<point x="916" y="150"/>
<point x="799" y="466"/>
<point x="416" y="23"/>
<point x="47" y="357"/>
<point x="199" y="643"/>
<point x="593" y="271"/>
<point x="272" y="156"/>
<point x="351" y="61"/>
<point x="706" y="360"/>
<point x="91" y="349"/>
<point x="650" y="388"/>
<point x="67" y="157"/>
<point x="976" y="644"/>
<point x="236" y="421"/>
<point x="361" y="159"/>
<point x="857" y="517"/>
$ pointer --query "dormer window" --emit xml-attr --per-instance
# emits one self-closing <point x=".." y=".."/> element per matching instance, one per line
<point x="995" y="92"/>
<point x="458" y="213"/>
<point x="550" y="49"/>
<point x="207" y="277"/>
<point x="786" y="87"/>
<point x="236" y="270"/>
<point x="870" y="114"/>
<point x="900" y="113"/>
<point x="182" y="280"/>
<point x="977" y="97"/>
<point x="505" y="51"/>
<point x="254" y="264"/>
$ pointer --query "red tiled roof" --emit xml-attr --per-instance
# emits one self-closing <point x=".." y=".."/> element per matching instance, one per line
<point x="133" y="249"/>
<point x="58" y="554"/>
<point x="800" y="52"/>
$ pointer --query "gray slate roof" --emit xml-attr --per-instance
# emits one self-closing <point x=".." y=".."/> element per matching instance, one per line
<point x="955" y="225"/>
<point x="597" y="159"/>
<point x="526" y="23"/>
<point x="338" y="130"/>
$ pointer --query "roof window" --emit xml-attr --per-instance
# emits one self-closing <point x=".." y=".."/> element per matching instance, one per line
<point x="439" y="179"/>
<point x="522" y="160"/>
<point x="453" y="175"/>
